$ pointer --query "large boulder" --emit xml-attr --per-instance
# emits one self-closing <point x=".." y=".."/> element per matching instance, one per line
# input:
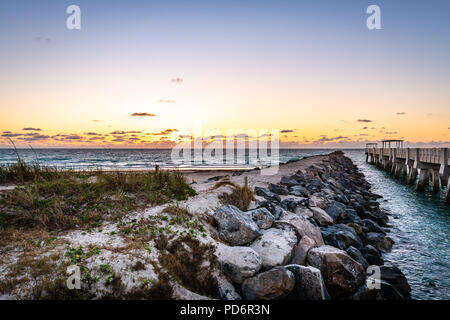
<point x="278" y="189"/>
<point x="289" y="181"/>
<point x="357" y="256"/>
<point x="335" y="210"/>
<point x="301" y="250"/>
<point x="372" y="226"/>
<point x="302" y="226"/>
<point x="262" y="217"/>
<point x="235" y="227"/>
<point x="299" y="191"/>
<point x="273" y="208"/>
<point x="379" y="241"/>
<point x="267" y="194"/>
<point x="238" y="263"/>
<point x="321" y="217"/>
<point x="341" y="236"/>
<point x="372" y="255"/>
<point x="343" y="275"/>
<point x="276" y="283"/>
<point x="316" y="201"/>
<point x="275" y="247"/>
<point x="309" y="284"/>
<point x="396" y="279"/>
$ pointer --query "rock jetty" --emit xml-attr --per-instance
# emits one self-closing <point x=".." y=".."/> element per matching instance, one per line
<point x="311" y="236"/>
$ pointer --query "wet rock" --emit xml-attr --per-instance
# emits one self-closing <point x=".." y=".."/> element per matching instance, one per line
<point x="276" y="283"/>
<point x="396" y="279"/>
<point x="278" y="189"/>
<point x="372" y="226"/>
<point x="341" y="236"/>
<point x="262" y="217"/>
<point x="321" y="217"/>
<point x="309" y="284"/>
<point x="372" y="255"/>
<point x="273" y="208"/>
<point x="335" y="210"/>
<point x="238" y="263"/>
<point x="275" y="247"/>
<point x="357" y="256"/>
<point x="379" y="241"/>
<point x="301" y="250"/>
<point x="302" y="226"/>
<point x="343" y="275"/>
<point x="267" y="194"/>
<point x="234" y="226"/>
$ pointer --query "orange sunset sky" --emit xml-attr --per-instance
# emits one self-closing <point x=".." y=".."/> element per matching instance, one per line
<point x="141" y="74"/>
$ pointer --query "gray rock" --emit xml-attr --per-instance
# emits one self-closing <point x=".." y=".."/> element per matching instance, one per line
<point x="302" y="226"/>
<point x="238" y="263"/>
<point x="372" y="255"/>
<point x="372" y="226"/>
<point x="379" y="241"/>
<point x="299" y="191"/>
<point x="235" y="227"/>
<point x="226" y="290"/>
<point x="321" y="216"/>
<point x="301" y="250"/>
<point x="309" y="284"/>
<point x="335" y="210"/>
<point x="341" y="236"/>
<point x="278" y="189"/>
<point x="289" y="181"/>
<point x="357" y="255"/>
<point x="263" y="218"/>
<point x="267" y="194"/>
<point x="276" y="283"/>
<point x="396" y="279"/>
<point x="343" y="275"/>
<point x="275" y="247"/>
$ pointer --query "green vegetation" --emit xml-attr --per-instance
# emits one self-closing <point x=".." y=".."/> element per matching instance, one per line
<point x="53" y="199"/>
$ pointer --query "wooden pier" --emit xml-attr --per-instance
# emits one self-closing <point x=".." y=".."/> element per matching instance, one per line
<point x="421" y="166"/>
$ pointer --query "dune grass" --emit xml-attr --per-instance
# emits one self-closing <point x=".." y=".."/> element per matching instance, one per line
<point x="240" y="196"/>
<point x="63" y="199"/>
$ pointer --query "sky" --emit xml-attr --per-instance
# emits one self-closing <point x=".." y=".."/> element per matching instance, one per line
<point x="144" y="73"/>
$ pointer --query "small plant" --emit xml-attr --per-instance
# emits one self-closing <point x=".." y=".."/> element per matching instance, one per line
<point x="76" y="255"/>
<point x="106" y="268"/>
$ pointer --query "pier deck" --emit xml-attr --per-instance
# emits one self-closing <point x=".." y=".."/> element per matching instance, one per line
<point x="421" y="166"/>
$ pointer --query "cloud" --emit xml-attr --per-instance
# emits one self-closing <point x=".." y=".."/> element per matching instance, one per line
<point x="400" y="113"/>
<point x="166" y="101"/>
<point x="326" y="139"/>
<point x="365" y="128"/>
<point x="165" y="132"/>
<point x="35" y="137"/>
<point x="364" y="120"/>
<point x="95" y="120"/>
<point x="11" y="135"/>
<point x="31" y="129"/>
<point x="43" y="40"/>
<point x="124" y="132"/>
<point x="287" y="131"/>
<point x="177" y="80"/>
<point x="93" y="134"/>
<point x="142" y="114"/>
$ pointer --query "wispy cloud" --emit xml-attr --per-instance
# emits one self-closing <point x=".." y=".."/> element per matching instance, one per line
<point x="287" y="131"/>
<point x="166" y="101"/>
<point x="142" y="114"/>
<point x="400" y="113"/>
<point x="364" y="120"/>
<point x="31" y="129"/>
<point x="177" y="80"/>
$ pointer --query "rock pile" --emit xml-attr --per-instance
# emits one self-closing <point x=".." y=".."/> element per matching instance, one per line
<point x="312" y="237"/>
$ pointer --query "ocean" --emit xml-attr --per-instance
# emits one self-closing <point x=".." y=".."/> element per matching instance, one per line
<point x="419" y="225"/>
